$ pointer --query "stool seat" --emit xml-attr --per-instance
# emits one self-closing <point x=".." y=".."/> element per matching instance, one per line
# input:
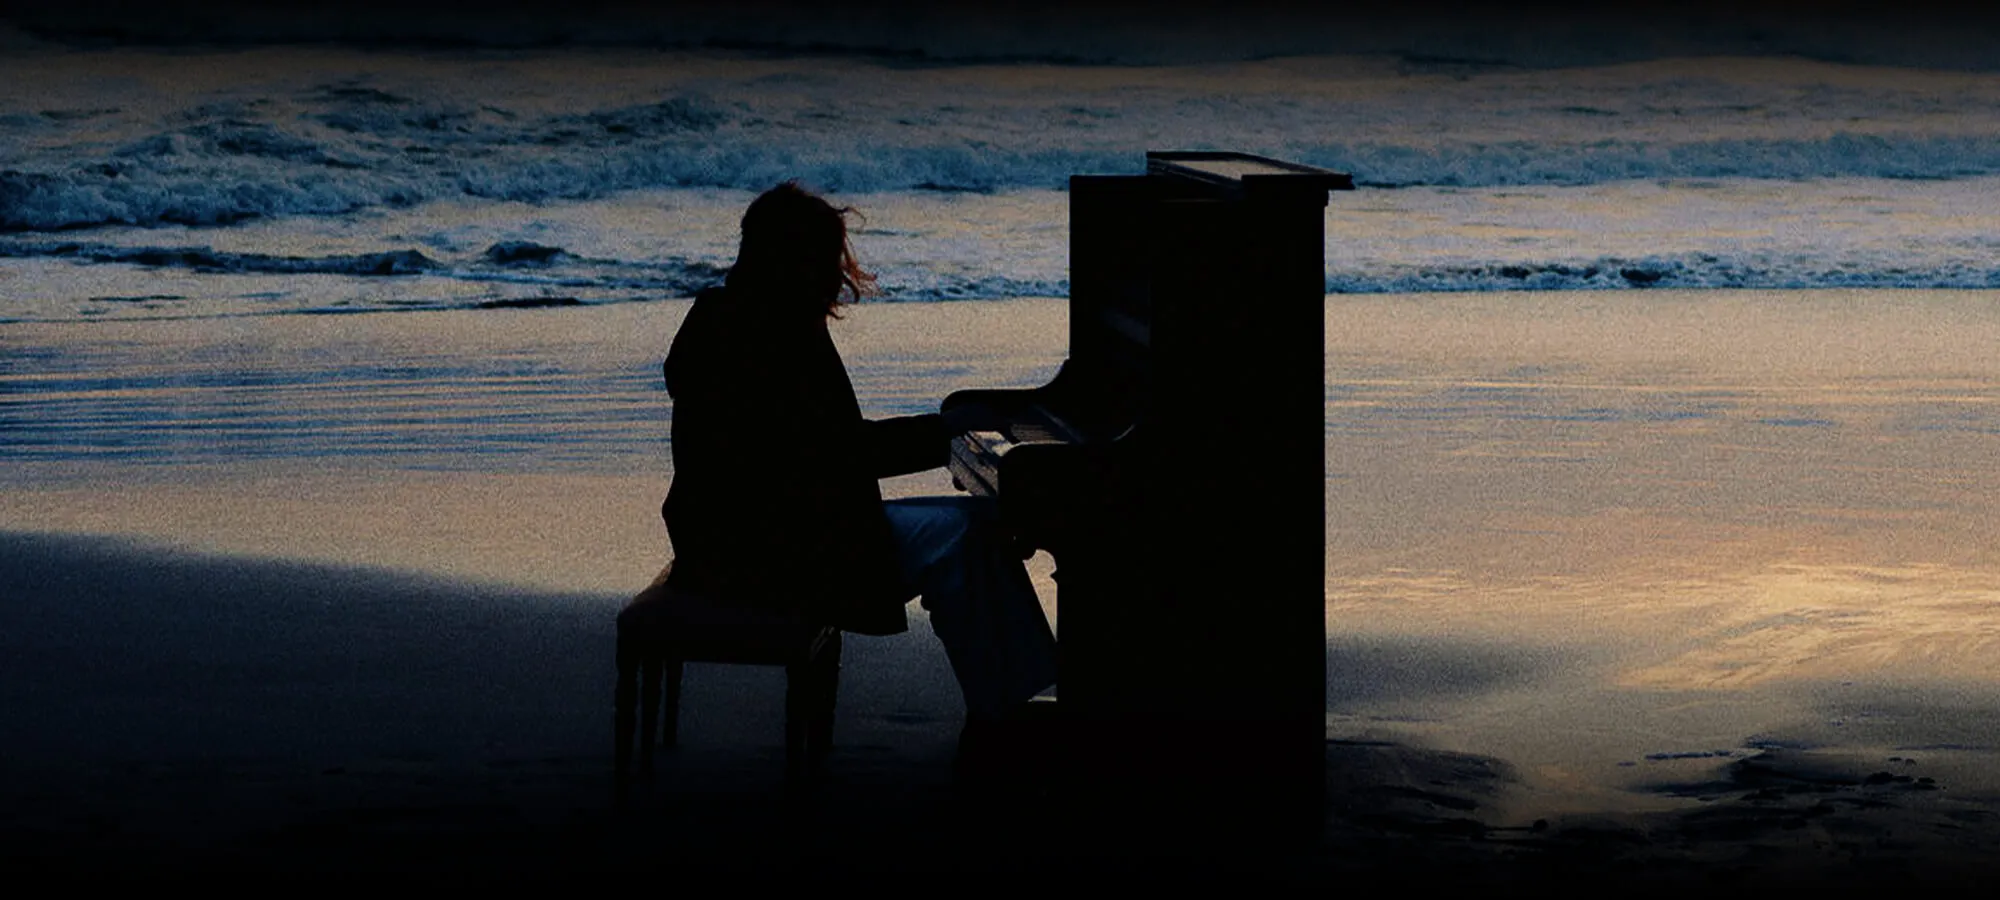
<point x="662" y="628"/>
<point x="711" y="630"/>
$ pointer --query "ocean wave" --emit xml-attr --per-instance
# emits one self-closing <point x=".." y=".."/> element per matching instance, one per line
<point x="355" y="133"/>
<point x="217" y="177"/>
<point x="108" y="194"/>
<point x="507" y="262"/>
<point x="1691" y="270"/>
<point x="172" y="193"/>
<point x="528" y="275"/>
<point x="943" y="288"/>
<point x="1521" y="163"/>
<point x="212" y="261"/>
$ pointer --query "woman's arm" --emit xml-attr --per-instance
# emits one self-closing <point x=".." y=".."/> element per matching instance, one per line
<point x="904" y="444"/>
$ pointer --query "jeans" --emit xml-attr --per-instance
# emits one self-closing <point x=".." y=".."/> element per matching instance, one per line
<point x="981" y="602"/>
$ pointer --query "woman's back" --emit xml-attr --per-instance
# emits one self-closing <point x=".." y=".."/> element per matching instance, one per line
<point x="755" y="376"/>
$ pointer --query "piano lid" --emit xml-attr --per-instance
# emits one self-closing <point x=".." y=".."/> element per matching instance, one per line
<point x="1238" y="173"/>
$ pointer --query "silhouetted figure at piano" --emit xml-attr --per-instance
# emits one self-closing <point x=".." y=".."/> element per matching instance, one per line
<point x="775" y="500"/>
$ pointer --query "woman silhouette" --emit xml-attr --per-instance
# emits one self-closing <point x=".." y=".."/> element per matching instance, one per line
<point x="775" y="500"/>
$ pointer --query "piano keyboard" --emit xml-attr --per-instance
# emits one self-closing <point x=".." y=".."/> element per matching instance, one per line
<point x="976" y="455"/>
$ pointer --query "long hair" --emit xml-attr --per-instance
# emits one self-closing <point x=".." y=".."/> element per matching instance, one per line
<point x="796" y="249"/>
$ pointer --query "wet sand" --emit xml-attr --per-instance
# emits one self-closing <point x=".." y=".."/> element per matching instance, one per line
<point x="1692" y="590"/>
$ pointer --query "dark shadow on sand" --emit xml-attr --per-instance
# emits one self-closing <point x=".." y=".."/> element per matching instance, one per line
<point x="174" y="711"/>
<point x="112" y="650"/>
<point x="171" y="712"/>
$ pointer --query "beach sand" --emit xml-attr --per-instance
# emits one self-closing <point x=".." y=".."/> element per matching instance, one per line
<point x="1674" y="590"/>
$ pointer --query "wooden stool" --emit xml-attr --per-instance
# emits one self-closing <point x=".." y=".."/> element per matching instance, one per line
<point x="662" y="629"/>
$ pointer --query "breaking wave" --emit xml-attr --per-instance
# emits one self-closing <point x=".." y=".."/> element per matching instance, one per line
<point x="222" y="176"/>
<point x="263" y="143"/>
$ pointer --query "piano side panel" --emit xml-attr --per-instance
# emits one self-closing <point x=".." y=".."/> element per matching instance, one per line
<point x="1204" y="612"/>
<point x="1251" y="343"/>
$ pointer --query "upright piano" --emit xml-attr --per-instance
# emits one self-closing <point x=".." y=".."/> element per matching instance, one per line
<point x="1174" y="468"/>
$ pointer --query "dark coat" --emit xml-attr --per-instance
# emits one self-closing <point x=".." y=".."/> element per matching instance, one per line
<point x="774" y="500"/>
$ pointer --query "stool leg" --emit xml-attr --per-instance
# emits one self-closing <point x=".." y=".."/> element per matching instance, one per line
<point x="670" y="713"/>
<point x="625" y="708"/>
<point x="826" y="682"/>
<point x="650" y="670"/>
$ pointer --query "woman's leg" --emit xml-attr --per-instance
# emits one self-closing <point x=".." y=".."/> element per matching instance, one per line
<point x="981" y="602"/>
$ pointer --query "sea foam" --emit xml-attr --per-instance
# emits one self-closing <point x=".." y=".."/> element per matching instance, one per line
<point x="317" y="139"/>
